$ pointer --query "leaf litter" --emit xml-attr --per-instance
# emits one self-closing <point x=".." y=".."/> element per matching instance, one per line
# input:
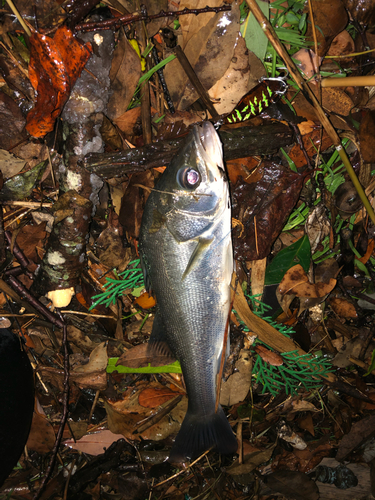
<point x="303" y="245"/>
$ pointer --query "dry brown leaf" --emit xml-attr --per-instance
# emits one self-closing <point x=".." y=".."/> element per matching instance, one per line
<point x="343" y="308"/>
<point x="295" y="281"/>
<point x="191" y="24"/>
<point x="124" y="75"/>
<point x="306" y="423"/>
<point x="42" y="436"/>
<point x="239" y="78"/>
<point x="126" y="415"/>
<point x="270" y="357"/>
<point x="235" y="389"/>
<point x="94" y="444"/>
<point x="153" y="397"/>
<point x="209" y="52"/>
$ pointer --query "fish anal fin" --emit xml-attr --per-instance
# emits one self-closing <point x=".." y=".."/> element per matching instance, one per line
<point x="158" y="347"/>
<point x="200" y="250"/>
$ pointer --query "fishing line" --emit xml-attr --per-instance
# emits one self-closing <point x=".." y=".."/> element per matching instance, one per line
<point x="171" y="192"/>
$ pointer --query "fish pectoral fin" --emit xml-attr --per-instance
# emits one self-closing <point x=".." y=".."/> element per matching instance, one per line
<point x="199" y="251"/>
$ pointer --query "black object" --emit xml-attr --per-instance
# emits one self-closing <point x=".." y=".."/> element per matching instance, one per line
<point x="16" y="401"/>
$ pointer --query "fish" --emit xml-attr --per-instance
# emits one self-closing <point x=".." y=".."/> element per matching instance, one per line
<point x="185" y="247"/>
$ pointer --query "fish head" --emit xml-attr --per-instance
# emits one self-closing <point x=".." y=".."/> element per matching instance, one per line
<point x="193" y="189"/>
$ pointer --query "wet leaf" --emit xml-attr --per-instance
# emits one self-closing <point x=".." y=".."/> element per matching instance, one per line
<point x="293" y="485"/>
<point x="269" y="198"/>
<point x="42" y="436"/>
<point x="297" y="253"/>
<point x="30" y="238"/>
<point x="10" y="165"/>
<point x="55" y="65"/>
<point x="363" y="12"/>
<point x="20" y="186"/>
<point x="317" y="226"/>
<point x="251" y="461"/>
<point x="328" y="25"/>
<point x="127" y="415"/>
<point x="360" y="432"/>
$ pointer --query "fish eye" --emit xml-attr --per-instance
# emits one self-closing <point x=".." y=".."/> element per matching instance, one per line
<point x="188" y="178"/>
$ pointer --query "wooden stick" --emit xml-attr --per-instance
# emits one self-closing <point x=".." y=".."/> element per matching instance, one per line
<point x="349" y="81"/>
<point x="189" y="70"/>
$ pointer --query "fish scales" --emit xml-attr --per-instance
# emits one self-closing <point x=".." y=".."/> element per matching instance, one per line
<point x="186" y="251"/>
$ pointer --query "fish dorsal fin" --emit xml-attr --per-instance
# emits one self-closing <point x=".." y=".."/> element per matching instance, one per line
<point x="199" y="251"/>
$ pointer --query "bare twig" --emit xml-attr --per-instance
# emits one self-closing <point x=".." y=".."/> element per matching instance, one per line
<point x="137" y="16"/>
<point x="189" y="70"/>
<point x="64" y="416"/>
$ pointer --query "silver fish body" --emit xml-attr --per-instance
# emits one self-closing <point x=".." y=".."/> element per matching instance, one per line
<point x="186" y="251"/>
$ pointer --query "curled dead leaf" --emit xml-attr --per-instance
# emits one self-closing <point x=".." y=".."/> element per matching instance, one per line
<point x="295" y="281"/>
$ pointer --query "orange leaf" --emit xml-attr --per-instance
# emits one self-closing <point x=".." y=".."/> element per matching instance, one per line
<point x="370" y="249"/>
<point x="55" y="65"/>
<point x="150" y="398"/>
<point x="145" y="301"/>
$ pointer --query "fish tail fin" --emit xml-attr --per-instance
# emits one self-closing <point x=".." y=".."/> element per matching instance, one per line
<point x="199" y="433"/>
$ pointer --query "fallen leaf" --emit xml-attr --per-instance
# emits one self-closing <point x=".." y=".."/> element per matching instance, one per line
<point x="146" y="301"/>
<point x="296" y="282"/>
<point x="209" y="52"/>
<point x="270" y="357"/>
<point x="42" y="436"/>
<point x="343" y="308"/>
<point x="361" y="431"/>
<point x="55" y="65"/>
<point x="151" y="398"/>
<point x="293" y="485"/>
<point x="94" y="444"/>
<point x="238" y="79"/>
<point x="269" y="195"/>
<point x="98" y="361"/>
<point x="251" y="461"/>
<point x="124" y="75"/>
<point x="235" y="389"/>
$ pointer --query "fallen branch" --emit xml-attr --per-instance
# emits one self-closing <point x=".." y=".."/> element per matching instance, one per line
<point x="237" y="143"/>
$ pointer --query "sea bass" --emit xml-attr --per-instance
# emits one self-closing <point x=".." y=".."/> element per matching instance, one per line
<point x="186" y="251"/>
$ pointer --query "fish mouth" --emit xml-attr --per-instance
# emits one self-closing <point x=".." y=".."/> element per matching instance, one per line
<point x="210" y="144"/>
